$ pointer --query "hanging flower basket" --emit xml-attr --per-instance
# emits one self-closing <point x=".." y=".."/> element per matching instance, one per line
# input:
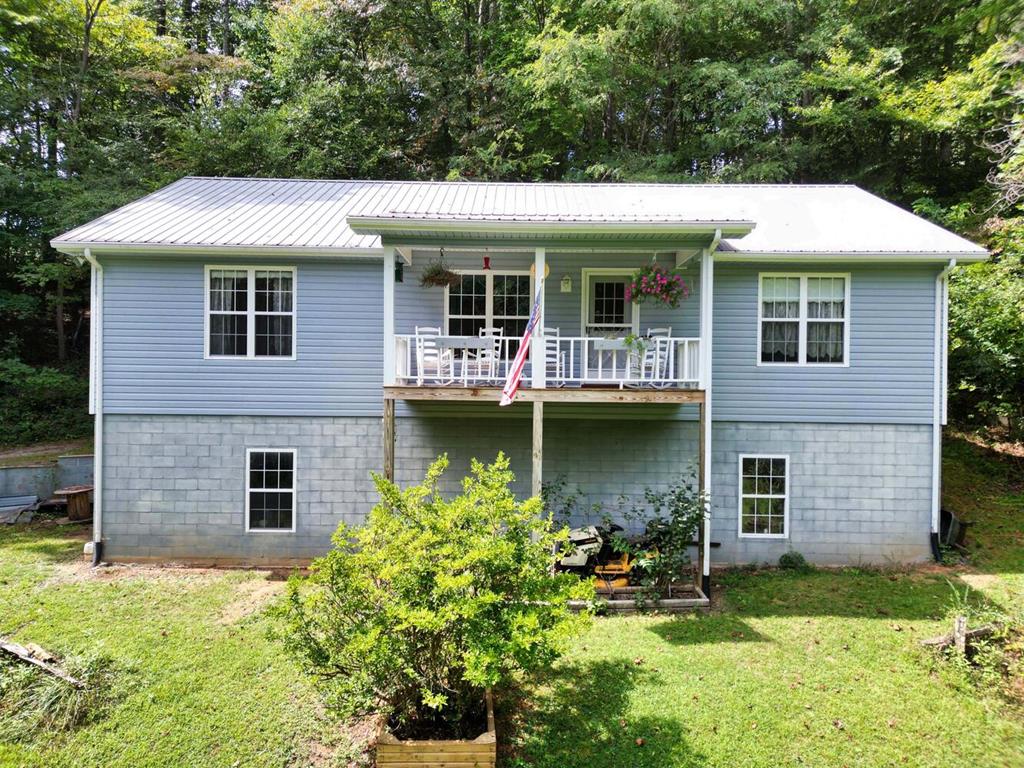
<point x="654" y="282"/>
<point x="438" y="274"/>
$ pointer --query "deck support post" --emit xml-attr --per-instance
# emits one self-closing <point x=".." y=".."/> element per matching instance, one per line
<point x="537" y="475"/>
<point x="388" y="433"/>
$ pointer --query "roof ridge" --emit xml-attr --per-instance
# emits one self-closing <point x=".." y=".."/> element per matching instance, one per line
<point x="576" y="184"/>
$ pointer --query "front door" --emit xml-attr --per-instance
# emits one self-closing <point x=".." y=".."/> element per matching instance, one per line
<point x="609" y="314"/>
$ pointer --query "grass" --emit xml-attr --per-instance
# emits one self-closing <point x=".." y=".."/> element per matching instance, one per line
<point x="816" y="669"/>
<point x="193" y="689"/>
<point x="43" y="453"/>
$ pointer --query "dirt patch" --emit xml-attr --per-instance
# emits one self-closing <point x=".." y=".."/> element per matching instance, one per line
<point x="80" y="570"/>
<point x="251" y="596"/>
<point x="42" y="453"/>
<point x="979" y="580"/>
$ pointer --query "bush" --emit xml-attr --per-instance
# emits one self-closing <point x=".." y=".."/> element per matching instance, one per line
<point x="794" y="561"/>
<point x="672" y="518"/>
<point x="986" y="326"/>
<point x="41" y="404"/>
<point x="433" y="600"/>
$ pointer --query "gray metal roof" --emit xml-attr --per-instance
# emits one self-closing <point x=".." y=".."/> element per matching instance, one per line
<point x="275" y="215"/>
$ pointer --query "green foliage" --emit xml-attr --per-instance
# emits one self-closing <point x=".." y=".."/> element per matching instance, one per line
<point x="435" y="599"/>
<point x="671" y="519"/>
<point x="915" y="100"/>
<point x="41" y="404"/>
<point x="986" y="320"/>
<point x="794" y="561"/>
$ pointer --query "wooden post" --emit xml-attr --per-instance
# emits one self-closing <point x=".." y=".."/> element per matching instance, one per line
<point x="389" y="438"/>
<point x="538" y="364"/>
<point x="538" y="448"/>
<point x="389" y="316"/>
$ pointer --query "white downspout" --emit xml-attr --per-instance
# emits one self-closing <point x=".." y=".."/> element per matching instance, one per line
<point x="96" y="380"/>
<point x="707" y="296"/>
<point x="938" y="398"/>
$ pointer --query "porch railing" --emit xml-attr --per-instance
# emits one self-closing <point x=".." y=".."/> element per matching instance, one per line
<point x="570" y="361"/>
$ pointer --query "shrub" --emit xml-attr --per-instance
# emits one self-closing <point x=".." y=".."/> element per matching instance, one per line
<point x="432" y="600"/>
<point x="39" y="404"/>
<point x="794" y="561"/>
<point x="662" y="554"/>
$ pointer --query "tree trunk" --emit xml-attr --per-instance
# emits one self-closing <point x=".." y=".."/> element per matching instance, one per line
<point x="160" y="12"/>
<point x="187" y="33"/>
<point x="58" y="322"/>
<point x="226" y="45"/>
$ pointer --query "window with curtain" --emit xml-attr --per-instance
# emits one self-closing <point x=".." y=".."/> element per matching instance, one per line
<point x="250" y="312"/>
<point x="803" y="319"/>
<point x="490" y="300"/>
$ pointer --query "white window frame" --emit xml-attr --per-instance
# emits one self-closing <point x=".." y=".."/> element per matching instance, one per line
<point x="489" y="319"/>
<point x="589" y="272"/>
<point x="740" y="496"/>
<point x="251" y="313"/>
<point x="294" y="488"/>
<point x="801" y="361"/>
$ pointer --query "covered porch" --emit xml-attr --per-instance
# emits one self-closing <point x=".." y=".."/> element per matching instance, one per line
<point x="570" y="280"/>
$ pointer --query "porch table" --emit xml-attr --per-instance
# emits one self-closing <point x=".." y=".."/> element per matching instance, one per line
<point x="468" y="344"/>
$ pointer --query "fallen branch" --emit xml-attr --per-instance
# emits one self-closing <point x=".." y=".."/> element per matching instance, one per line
<point x="979" y="633"/>
<point x="40" y="658"/>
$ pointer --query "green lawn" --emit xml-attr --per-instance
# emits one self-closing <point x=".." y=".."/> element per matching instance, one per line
<point x="821" y="669"/>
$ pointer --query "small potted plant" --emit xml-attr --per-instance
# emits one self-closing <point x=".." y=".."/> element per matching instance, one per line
<point x="438" y="274"/>
<point x="657" y="283"/>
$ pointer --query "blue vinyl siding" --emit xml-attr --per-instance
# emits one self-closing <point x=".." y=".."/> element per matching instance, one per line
<point x="416" y="305"/>
<point x="153" y="343"/>
<point x="154" y="325"/>
<point x="889" y="379"/>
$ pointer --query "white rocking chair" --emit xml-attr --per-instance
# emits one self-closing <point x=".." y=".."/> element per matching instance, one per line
<point x="432" y="362"/>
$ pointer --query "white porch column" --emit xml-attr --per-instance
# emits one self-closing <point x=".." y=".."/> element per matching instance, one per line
<point x="707" y="293"/>
<point x="389" y="316"/>
<point x="537" y="363"/>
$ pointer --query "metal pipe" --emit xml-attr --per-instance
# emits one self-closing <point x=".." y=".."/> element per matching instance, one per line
<point x="937" y="384"/>
<point x="96" y="379"/>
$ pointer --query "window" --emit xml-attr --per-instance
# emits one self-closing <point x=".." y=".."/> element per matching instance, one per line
<point x="490" y="300"/>
<point x="764" y="496"/>
<point x="270" y="490"/>
<point x="605" y="310"/>
<point x="804" y="319"/>
<point x="250" y="312"/>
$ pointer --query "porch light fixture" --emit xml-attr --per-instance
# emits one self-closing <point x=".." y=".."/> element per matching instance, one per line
<point x="566" y="284"/>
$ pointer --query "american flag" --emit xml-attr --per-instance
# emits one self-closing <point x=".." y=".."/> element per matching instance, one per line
<point x="515" y="373"/>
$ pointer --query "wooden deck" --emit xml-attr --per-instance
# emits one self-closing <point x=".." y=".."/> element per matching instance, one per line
<point x="551" y="395"/>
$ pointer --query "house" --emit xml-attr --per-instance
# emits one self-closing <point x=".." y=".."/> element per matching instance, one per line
<point x="263" y="345"/>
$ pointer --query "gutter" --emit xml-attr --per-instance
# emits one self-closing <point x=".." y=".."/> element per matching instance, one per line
<point x="938" y="398"/>
<point x="96" y="401"/>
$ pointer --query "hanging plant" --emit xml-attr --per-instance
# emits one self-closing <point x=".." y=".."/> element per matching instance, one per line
<point x="657" y="283"/>
<point x="439" y="274"/>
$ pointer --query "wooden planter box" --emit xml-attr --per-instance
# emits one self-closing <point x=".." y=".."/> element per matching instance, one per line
<point x="685" y="597"/>
<point x="481" y="752"/>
